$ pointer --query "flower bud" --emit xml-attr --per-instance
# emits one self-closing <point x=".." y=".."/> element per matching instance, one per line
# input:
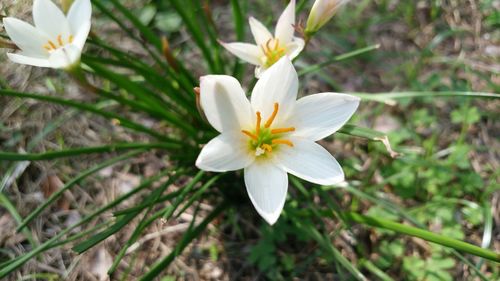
<point x="321" y="12"/>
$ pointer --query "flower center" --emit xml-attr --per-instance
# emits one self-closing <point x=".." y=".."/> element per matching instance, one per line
<point x="273" y="51"/>
<point x="264" y="139"/>
<point x="51" y="46"/>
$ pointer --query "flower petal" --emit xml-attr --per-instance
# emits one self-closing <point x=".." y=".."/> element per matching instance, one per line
<point x="259" y="31"/>
<point x="294" y="48"/>
<point x="26" y="37"/>
<point x="224" y="102"/>
<point x="28" y="60"/>
<point x="285" y="26"/>
<point x="50" y="19"/>
<point x="320" y="115"/>
<point x="226" y="152"/>
<point x="79" y="19"/>
<point x="279" y="83"/>
<point x="267" y="187"/>
<point x="79" y="13"/>
<point x="247" y="52"/>
<point x="81" y="36"/>
<point x="65" y="57"/>
<point x="309" y="161"/>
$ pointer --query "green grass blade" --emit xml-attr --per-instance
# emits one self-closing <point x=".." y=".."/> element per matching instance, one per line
<point x="370" y="134"/>
<point x="186" y="240"/>
<point x="123" y="221"/>
<point x="319" y="66"/>
<point x="390" y="98"/>
<point x="424" y="234"/>
<point x="8" y="267"/>
<point x="73" y="182"/>
<point x="11" y="156"/>
<point x="89" y="108"/>
<point x="145" y="31"/>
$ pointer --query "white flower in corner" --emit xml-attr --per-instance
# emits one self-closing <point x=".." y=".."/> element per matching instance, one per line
<point x="269" y="49"/>
<point x="321" y="12"/>
<point x="56" y="40"/>
<point x="272" y="134"/>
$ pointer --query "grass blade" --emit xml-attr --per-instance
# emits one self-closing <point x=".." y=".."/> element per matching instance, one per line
<point x="73" y="182"/>
<point x="424" y="234"/>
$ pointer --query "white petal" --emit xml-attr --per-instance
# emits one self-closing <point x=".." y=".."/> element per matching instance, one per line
<point x="81" y="36"/>
<point x="294" y="48"/>
<point x="50" y="19"/>
<point x="259" y="31"/>
<point x="26" y="37"/>
<point x="259" y="70"/>
<point x="309" y="161"/>
<point x="79" y="14"/>
<point x="266" y="186"/>
<point x="226" y="152"/>
<point x="320" y="115"/>
<point x="22" y="59"/>
<point x="79" y="18"/>
<point x="247" y="52"/>
<point x="65" y="57"/>
<point x="285" y="26"/>
<point x="224" y="102"/>
<point x="279" y="83"/>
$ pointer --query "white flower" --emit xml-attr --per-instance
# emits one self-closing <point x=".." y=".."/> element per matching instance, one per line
<point x="272" y="134"/>
<point x="321" y="12"/>
<point x="269" y="49"/>
<point x="56" y="40"/>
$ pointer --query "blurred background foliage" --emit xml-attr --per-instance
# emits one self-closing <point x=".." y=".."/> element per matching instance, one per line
<point x="137" y="220"/>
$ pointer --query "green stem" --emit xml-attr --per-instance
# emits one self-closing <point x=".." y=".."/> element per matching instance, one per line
<point x="424" y="234"/>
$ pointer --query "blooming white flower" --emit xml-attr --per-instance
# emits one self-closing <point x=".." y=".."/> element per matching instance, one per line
<point x="269" y="49"/>
<point x="321" y="12"/>
<point x="272" y="134"/>
<point x="56" y="40"/>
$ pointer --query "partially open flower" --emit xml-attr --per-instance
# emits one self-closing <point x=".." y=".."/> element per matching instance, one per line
<point x="56" y="40"/>
<point x="321" y="12"/>
<point x="269" y="49"/>
<point x="272" y="134"/>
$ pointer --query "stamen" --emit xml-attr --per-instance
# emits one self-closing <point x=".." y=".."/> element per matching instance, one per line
<point x="267" y="147"/>
<point x="282" y="130"/>
<point x="52" y="45"/>
<point x="59" y="40"/>
<point x="70" y="39"/>
<point x="47" y="47"/>
<point x="276" y="44"/>
<point x="267" y="45"/>
<point x="259" y="119"/>
<point x="249" y="134"/>
<point x="280" y="141"/>
<point x="271" y="119"/>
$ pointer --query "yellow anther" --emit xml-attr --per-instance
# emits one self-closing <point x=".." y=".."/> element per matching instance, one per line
<point x="267" y="147"/>
<point x="249" y="134"/>
<point x="59" y="40"/>
<point x="257" y="127"/>
<point x="271" y="119"/>
<point x="70" y="39"/>
<point x="280" y="141"/>
<point x="282" y="130"/>
<point x="47" y="47"/>
<point x="52" y="45"/>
